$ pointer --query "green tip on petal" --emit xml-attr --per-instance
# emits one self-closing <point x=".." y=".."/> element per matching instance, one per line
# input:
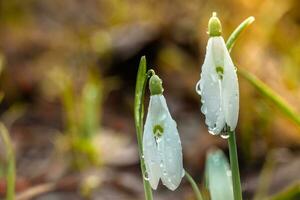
<point x="214" y="26"/>
<point x="155" y="85"/>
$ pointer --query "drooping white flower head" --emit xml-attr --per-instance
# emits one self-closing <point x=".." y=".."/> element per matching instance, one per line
<point x="218" y="85"/>
<point x="161" y="142"/>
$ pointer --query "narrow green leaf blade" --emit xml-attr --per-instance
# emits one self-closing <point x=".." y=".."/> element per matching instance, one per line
<point x="264" y="89"/>
<point x="236" y="33"/>
<point x="270" y="94"/>
<point x="138" y="116"/>
<point x="139" y="96"/>
<point x="218" y="176"/>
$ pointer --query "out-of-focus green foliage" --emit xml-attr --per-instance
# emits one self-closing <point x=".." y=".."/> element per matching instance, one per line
<point x="291" y="193"/>
<point x="280" y="103"/>
<point x="265" y="178"/>
<point x="39" y="40"/>
<point x="9" y="166"/>
<point x="82" y="117"/>
<point x="91" y="99"/>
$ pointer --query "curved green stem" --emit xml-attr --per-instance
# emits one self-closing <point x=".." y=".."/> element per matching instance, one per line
<point x="234" y="163"/>
<point x="264" y="89"/>
<point x="235" y="34"/>
<point x="11" y="171"/>
<point x="194" y="186"/>
<point x="141" y="81"/>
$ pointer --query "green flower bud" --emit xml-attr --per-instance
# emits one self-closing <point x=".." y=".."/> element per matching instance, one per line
<point x="155" y="85"/>
<point x="214" y="26"/>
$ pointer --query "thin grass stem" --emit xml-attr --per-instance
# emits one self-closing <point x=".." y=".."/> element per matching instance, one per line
<point x="194" y="186"/>
<point x="11" y="169"/>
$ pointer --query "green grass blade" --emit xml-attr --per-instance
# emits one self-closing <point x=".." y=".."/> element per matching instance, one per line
<point x="139" y="118"/>
<point x="194" y="186"/>
<point x="271" y="95"/>
<point x="236" y="33"/>
<point x="10" y="168"/>
<point x="264" y="89"/>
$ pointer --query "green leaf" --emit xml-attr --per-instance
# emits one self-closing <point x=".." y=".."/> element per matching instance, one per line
<point x="264" y="89"/>
<point x="194" y="186"/>
<point x="218" y="176"/>
<point x="11" y="166"/>
<point x="141" y="81"/>
<point x="236" y="33"/>
<point x="271" y="95"/>
<point x="139" y="97"/>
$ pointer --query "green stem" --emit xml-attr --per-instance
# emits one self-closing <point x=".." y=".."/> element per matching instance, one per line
<point x="11" y="171"/>
<point x="236" y="181"/>
<point x="264" y="89"/>
<point x="194" y="186"/>
<point x="234" y="163"/>
<point x="141" y="81"/>
<point x="235" y="34"/>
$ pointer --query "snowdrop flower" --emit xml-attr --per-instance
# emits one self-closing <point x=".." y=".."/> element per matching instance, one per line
<point x="218" y="85"/>
<point x="162" y="149"/>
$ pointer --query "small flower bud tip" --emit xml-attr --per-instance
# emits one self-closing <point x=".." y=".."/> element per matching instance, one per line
<point x="155" y="85"/>
<point x="214" y="26"/>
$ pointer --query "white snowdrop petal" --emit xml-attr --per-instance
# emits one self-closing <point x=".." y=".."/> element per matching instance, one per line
<point x="230" y="91"/>
<point x="220" y="123"/>
<point x="159" y="108"/>
<point x="150" y="150"/>
<point x="218" y="50"/>
<point x="171" y="154"/>
<point x="162" y="155"/>
<point x="211" y="88"/>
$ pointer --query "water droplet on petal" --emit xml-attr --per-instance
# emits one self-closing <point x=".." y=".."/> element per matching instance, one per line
<point x="146" y="177"/>
<point x="204" y="110"/>
<point x="228" y="173"/>
<point x="211" y="132"/>
<point x="198" y="88"/>
<point x="225" y="136"/>
<point x="165" y="173"/>
<point x="158" y="139"/>
<point x="161" y="165"/>
<point x="213" y="78"/>
<point x="183" y="173"/>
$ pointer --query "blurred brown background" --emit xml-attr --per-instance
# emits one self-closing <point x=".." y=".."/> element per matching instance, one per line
<point x="52" y="51"/>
